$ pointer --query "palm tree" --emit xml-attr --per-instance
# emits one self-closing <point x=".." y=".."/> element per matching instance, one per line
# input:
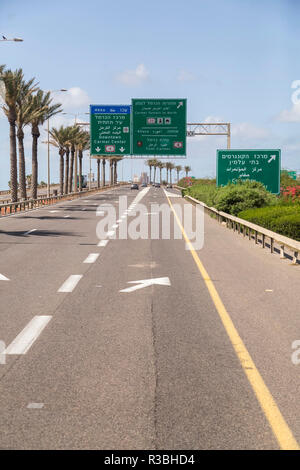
<point x="167" y="166"/>
<point x="83" y="144"/>
<point x="73" y="139"/>
<point x="40" y="102"/>
<point x="171" y="167"/>
<point x="178" y="168"/>
<point x="103" y="171"/>
<point x="24" y="113"/>
<point x="10" y="92"/>
<point x="150" y="165"/>
<point x="155" y="165"/>
<point x="59" y="139"/>
<point x="69" y="130"/>
<point x="160" y="165"/>
<point x="187" y="169"/>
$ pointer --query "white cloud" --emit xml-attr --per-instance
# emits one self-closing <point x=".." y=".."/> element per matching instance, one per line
<point x="134" y="77"/>
<point x="290" y="115"/>
<point x="245" y="131"/>
<point x="75" y="97"/>
<point x="185" y="76"/>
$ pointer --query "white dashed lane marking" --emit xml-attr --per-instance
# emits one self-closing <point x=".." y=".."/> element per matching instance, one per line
<point x="28" y="335"/>
<point x="92" y="257"/>
<point x="70" y="284"/>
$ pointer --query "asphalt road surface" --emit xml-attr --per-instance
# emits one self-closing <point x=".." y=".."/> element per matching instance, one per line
<point x="93" y="360"/>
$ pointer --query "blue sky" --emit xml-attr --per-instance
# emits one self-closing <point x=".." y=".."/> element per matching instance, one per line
<point x="234" y="60"/>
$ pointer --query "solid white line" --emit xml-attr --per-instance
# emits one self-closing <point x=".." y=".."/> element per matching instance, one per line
<point x="30" y="231"/>
<point x="28" y="335"/>
<point x="91" y="258"/>
<point x="103" y="242"/>
<point x="70" y="283"/>
<point x="66" y="216"/>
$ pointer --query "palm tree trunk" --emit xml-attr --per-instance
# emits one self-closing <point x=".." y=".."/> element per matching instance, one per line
<point x="35" y="135"/>
<point x="160" y="175"/>
<point x="177" y="176"/>
<point x="170" y="176"/>
<point x="150" y="173"/>
<point x="103" y="171"/>
<point x="111" y="163"/>
<point x="80" y="169"/>
<point x="13" y="161"/>
<point x="61" y="172"/>
<point x="98" y="172"/>
<point x="115" y="172"/>
<point x="67" y="171"/>
<point x="22" y="170"/>
<point x="71" y="170"/>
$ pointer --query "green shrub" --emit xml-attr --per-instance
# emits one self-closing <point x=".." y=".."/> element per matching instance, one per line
<point x="283" y="219"/>
<point x="235" y="198"/>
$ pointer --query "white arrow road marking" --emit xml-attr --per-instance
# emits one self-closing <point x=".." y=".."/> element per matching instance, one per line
<point x="30" y="231"/>
<point x="28" y="335"/>
<point x="98" y="213"/>
<point x="70" y="284"/>
<point x="3" y="278"/>
<point x="273" y="157"/>
<point x="161" y="281"/>
<point x="103" y="242"/>
<point x="92" y="257"/>
<point x="114" y="226"/>
<point x="111" y="233"/>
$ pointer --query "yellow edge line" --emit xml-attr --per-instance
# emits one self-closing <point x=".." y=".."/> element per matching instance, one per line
<point x="281" y="430"/>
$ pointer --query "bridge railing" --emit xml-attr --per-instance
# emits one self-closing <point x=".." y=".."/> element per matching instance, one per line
<point x="266" y="238"/>
<point x="29" y="204"/>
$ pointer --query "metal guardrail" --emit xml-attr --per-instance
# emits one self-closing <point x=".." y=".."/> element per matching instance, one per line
<point x="253" y="231"/>
<point x="30" y="204"/>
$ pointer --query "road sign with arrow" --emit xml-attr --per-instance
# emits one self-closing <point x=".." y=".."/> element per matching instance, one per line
<point x="110" y="129"/>
<point x="254" y="165"/>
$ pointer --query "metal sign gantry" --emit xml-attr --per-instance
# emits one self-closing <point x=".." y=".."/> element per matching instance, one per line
<point x="209" y="128"/>
<point x="194" y="129"/>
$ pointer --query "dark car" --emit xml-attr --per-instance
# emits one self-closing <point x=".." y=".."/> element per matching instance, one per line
<point x="169" y="186"/>
<point x="157" y="185"/>
<point x="144" y="185"/>
<point x="134" y="186"/>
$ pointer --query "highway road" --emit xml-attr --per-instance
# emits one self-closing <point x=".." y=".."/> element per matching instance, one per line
<point x="200" y="360"/>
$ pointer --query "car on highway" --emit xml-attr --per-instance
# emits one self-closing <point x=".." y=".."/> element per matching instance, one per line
<point x="134" y="186"/>
<point x="169" y="186"/>
<point x="157" y="185"/>
<point x="144" y="185"/>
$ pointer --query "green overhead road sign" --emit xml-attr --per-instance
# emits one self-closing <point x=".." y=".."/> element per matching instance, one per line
<point x="254" y="165"/>
<point x="110" y="130"/>
<point x="159" y="127"/>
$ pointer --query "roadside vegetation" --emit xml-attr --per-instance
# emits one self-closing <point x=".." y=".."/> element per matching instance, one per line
<point x="251" y="201"/>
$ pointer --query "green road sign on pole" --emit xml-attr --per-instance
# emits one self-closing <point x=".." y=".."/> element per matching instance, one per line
<point x="254" y="165"/>
<point x="292" y="174"/>
<point x="159" y="127"/>
<point x="110" y="130"/>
